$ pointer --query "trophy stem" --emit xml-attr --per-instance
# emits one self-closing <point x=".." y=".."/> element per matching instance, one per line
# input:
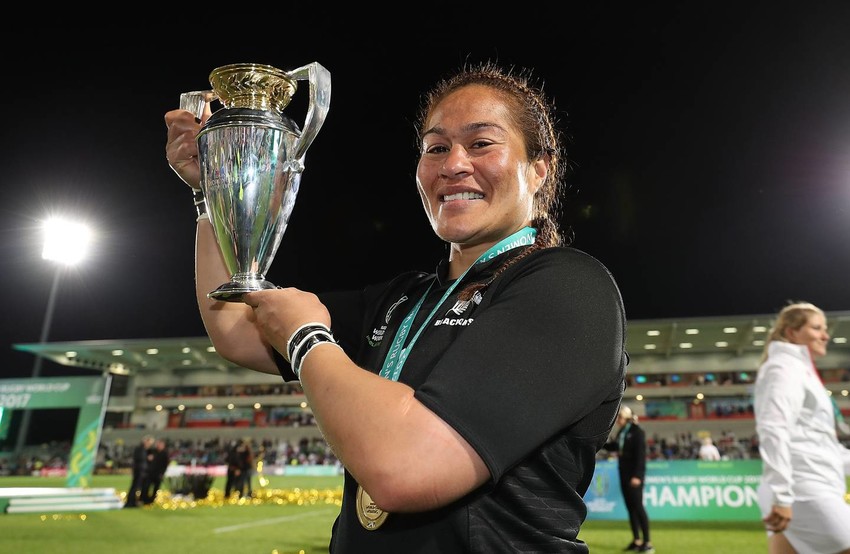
<point x="238" y="285"/>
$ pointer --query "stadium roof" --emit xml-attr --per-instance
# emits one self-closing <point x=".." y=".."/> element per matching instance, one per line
<point x="735" y="335"/>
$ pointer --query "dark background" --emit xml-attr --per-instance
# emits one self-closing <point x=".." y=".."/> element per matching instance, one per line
<point x="710" y="145"/>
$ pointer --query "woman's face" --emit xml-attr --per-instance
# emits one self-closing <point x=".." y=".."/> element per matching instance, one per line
<point x="813" y="334"/>
<point x="473" y="177"/>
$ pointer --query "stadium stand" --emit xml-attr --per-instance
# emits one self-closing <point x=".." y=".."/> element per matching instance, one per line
<point x="687" y="378"/>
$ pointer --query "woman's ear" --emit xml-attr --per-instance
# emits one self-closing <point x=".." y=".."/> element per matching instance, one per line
<point x="790" y="335"/>
<point x="541" y="170"/>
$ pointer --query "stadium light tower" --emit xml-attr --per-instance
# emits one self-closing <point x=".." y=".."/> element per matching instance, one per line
<point x="66" y="243"/>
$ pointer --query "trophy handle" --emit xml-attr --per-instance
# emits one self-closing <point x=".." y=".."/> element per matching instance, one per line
<point x="196" y="101"/>
<point x="320" y="99"/>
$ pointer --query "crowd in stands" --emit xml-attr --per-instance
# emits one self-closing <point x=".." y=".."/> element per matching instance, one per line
<point x="184" y="391"/>
<point x="214" y="451"/>
<point x="116" y="457"/>
<point x="686" y="446"/>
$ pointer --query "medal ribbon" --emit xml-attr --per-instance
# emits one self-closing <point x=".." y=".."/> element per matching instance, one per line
<point x="621" y="439"/>
<point x="397" y="355"/>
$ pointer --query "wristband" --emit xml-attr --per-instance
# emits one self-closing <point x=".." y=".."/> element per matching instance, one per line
<point x="200" y="204"/>
<point x="298" y="347"/>
<point x="307" y="345"/>
<point x="302" y="348"/>
<point x="300" y="334"/>
<point x="313" y="342"/>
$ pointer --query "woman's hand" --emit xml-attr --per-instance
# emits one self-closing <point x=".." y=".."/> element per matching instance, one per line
<point x="181" y="148"/>
<point x="280" y="312"/>
<point x="778" y="518"/>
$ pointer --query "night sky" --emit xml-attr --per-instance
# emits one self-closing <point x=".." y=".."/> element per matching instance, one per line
<point x="710" y="146"/>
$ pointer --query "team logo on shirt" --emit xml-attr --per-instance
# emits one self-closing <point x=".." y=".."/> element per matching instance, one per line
<point x="377" y="335"/>
<point x="461" y="306"/>
<point x="395" y="305"/>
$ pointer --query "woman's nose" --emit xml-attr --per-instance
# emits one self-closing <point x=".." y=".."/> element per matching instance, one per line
<point x="456" y="162"/>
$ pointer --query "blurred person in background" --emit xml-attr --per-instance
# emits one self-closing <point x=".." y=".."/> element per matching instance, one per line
<point x="142" y="455"/>
<point x="245" y="455"/>
<point x="233" y="479"/>
<point x="804" y="466"/>
<point x="630" y="445"/>
<point x="155" y="471"/>
<point x="708" y="451"/>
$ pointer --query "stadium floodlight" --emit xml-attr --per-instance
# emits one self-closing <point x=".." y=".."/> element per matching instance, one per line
<point x="67" y="243"/>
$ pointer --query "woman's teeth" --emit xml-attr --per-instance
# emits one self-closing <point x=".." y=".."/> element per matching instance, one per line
<point x="463" y="196"/>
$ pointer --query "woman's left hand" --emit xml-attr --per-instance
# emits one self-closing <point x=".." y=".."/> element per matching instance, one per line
<point x="280" y="312"/>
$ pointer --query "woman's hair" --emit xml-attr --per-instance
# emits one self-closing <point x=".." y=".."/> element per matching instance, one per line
<point x="793" y="316"/>
<point x="534" y="116"/>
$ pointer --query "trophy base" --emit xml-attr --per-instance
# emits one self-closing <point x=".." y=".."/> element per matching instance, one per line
<point x="233" y="291"/>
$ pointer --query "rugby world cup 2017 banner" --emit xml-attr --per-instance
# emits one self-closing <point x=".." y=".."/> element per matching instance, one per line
<point x="681" y="490"/>
<point x="89" y="394"/>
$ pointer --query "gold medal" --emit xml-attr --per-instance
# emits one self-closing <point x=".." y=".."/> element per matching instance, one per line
<point x="371" y="517"/>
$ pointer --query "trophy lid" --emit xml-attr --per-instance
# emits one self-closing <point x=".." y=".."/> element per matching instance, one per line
<point x="253" y="86"/>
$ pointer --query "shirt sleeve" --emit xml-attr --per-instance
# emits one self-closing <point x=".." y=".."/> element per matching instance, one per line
<point x="547" y="351"/>
<point x="780" y="396"/>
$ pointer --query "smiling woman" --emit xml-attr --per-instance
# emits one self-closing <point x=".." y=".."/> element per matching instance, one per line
<point x="476" y="180"/>
<point x="801" y="494"/>
<point x="414" y="407"/>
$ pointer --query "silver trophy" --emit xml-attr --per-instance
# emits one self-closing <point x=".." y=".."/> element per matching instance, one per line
<point x="251" y="157"/>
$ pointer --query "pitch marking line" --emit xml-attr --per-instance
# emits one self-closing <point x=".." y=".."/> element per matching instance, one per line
<point x="271" y="521"/>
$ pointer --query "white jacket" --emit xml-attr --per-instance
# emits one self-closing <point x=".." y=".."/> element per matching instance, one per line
<point x="801" y="455"/>
<point x="708" y="452"/>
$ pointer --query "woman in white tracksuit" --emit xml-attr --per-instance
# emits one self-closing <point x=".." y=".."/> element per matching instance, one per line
<point x="803" y="487"/>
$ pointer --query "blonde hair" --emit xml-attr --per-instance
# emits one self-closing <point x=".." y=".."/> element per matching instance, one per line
<point x="793" y="316"/>
<point x="627" y="413"/>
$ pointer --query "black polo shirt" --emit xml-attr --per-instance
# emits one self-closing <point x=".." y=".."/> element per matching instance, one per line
<point x="530" y="373"/>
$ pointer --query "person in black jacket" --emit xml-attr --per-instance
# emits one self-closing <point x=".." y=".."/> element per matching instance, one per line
<point x="155" y="471"/>
<point x="141" y="458"/>
<point x="630" y="445"/>
<point x="234" y="473"/>
<point x="246" y="468"/>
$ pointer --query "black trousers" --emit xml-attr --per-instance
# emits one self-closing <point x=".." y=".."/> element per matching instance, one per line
<point x="134" y="493"/>
<point x="633" y="498"/>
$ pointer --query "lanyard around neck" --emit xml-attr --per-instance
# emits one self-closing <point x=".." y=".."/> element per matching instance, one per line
<point x="397" y="355"/>
<point x="623" y="433"/>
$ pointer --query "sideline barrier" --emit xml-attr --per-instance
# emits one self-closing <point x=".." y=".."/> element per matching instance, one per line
<point x="19" y="500"/>
<point x="311" y="470"/>
<point x="681" y="490"/>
